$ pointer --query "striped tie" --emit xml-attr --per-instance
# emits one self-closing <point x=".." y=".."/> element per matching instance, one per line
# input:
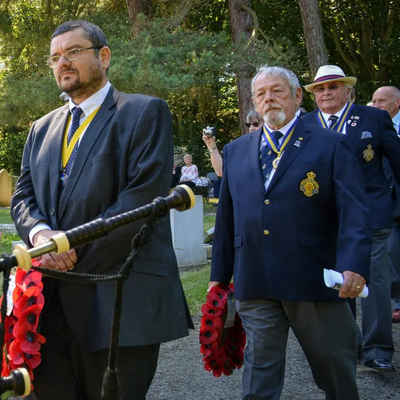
<point x="267" y="156"/>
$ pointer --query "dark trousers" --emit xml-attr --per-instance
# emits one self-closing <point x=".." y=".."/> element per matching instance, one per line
<point x="376" y="308"/>
<point x="326" y="333"/>
<point x="394" y="257"/>
<point x="68" y="372"/>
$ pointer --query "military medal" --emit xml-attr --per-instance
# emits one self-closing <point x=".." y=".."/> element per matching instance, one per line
<point x="275" y="163"/>
<point x="309" y="186"/>
<point x="368" y="153"/>
<point x="274" y="144"/>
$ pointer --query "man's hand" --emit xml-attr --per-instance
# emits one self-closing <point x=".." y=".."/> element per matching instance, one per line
<point x="61" y="262"/>
<point x="211" y="284"/>
<point x="353" y="285"/>
<point x="210" y="142"/>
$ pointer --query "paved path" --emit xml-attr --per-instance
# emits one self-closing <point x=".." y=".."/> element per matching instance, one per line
<point x="181" y="376"/>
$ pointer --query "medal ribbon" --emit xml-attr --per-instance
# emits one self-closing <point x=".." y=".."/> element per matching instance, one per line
<point x="274" y="144"/>
<point x="67" y="149"/>
<point x="338" y="126"/>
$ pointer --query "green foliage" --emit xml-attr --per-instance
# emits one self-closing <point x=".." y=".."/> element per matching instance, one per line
<point x="5" y="217"/>
<point x="11" y="147"/>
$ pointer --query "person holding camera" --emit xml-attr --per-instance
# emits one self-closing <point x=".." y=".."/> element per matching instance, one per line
<point x="210" y="141"/>
<point x="253" y="122"/>
<point x="189" y="172"/>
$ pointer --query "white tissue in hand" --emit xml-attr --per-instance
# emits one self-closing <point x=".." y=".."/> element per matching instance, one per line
<point x="334" y="280"/>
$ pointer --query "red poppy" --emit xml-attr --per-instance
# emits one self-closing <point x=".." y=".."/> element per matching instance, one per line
<point x="16" y="354"/>
<point x="211" y="321"/>
<point x="209" y="309"/>
<point x="31" y="342"/>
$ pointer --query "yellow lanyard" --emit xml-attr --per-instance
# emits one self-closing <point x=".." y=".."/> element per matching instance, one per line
<point x="67" y="149"/>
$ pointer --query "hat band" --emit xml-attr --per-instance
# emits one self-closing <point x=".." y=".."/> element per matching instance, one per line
<point x="329" y="77"/>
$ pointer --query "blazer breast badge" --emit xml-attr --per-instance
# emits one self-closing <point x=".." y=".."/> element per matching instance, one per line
<point x="368" y="153"/>
<point x="309" y="186"/>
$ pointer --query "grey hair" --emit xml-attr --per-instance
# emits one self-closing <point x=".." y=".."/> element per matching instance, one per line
<point x="253" y="114"/>
<point x="289" y="76"/>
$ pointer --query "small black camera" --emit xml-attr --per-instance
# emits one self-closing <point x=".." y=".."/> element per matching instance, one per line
<point x="209" y="131"/>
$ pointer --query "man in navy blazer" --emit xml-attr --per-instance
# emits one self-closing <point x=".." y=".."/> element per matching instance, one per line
<point x="372" y="138"/>
<point x="123" y="161"/>
<point x="290" y="207"/>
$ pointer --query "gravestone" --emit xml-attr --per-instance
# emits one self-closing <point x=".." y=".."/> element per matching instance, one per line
<point x="5" y="188"/>
<point x="188" y="236"/>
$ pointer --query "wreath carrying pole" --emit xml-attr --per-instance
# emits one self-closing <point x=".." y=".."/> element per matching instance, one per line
<point x="180" y="198"/>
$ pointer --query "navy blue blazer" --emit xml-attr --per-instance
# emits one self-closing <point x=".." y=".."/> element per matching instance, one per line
<point x="276" y="243"/>
<point x="384" y="142"/>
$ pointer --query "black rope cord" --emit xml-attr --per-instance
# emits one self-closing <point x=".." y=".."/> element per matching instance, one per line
<point x="110" y="387"/>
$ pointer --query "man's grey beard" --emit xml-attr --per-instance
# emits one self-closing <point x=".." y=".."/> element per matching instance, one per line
<point x="275" y="118"/>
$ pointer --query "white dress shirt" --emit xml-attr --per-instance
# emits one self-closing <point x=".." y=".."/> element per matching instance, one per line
<point x="284" y="131"/>
<point x="87" y="107"/>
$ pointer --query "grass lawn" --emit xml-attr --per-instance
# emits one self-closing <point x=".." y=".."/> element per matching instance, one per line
<point x="5" y="217"/>
<point x="195" y="285"/>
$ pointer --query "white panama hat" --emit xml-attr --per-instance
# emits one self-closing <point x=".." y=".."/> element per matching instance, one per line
<point x="330" y="73"/>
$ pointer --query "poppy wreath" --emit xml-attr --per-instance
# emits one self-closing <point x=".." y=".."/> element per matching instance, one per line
<point x="22" y="343"/>
<point x="221" y="347"/>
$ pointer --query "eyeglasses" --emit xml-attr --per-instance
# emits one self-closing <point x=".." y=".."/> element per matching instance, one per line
<point x="331" y="88"/>
<point x="70" y="55"/>
<point x="255" y="124"/>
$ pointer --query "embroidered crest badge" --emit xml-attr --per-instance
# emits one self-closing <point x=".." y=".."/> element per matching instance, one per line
<point x="368" y="153"/>
<point x="309" y="186"/>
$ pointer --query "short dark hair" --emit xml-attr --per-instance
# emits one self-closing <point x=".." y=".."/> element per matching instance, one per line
<point x="92" y="32"/>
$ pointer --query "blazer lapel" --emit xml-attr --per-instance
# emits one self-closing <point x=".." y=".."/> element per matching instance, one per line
<point x="297" y="142"/>
<point x="90" y="136"/>
<point x="353" y="128"/>
<point x="54" y="138"/>
<point x="252" y="154"/>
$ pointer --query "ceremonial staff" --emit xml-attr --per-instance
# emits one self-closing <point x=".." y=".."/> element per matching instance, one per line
<point x="180" y="198"/>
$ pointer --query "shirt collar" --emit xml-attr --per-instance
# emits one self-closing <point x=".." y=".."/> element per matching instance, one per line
<point x="338" y="114"/>
<point x="283" y="130"/>
<point x="396" y="122"/>
<point x="93" y="102"/>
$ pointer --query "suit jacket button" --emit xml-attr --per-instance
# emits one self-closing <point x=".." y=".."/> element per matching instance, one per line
<point x="266" y="201"/>
<point x="266" y="232"/>
<point x="52" y="211"/>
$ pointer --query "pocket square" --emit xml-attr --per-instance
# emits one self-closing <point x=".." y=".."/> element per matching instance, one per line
<point x="366" y="135"/>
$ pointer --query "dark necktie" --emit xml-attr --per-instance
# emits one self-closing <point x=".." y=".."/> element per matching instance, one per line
<point x="76" y="116"/>
<point x="267" y="156"/>
<point x="332" y="121"/>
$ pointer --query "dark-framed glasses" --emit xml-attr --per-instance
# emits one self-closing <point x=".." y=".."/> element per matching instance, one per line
<point x="256" y="124"/>
<point x="70" y="55"/>
<point x="332" y="87"/>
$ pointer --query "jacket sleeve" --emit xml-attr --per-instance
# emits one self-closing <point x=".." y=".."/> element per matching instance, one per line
<point x="354" y="241"/>
<point x="223" y="250"/>
<point x="24" y="208"/>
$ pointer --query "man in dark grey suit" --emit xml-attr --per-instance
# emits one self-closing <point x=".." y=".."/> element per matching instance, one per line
<point x="112" y="155"/>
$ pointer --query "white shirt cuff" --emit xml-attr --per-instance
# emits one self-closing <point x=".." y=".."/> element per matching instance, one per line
<point x="38" y="227"/>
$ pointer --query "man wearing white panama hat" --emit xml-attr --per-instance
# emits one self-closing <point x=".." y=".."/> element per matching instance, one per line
<point x="372" y="137"/>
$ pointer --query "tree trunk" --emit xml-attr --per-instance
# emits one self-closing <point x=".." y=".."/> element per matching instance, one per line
<point x="241" y="24"/>
<point x="137" y="6"/>
<point x="314" y="35"/>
